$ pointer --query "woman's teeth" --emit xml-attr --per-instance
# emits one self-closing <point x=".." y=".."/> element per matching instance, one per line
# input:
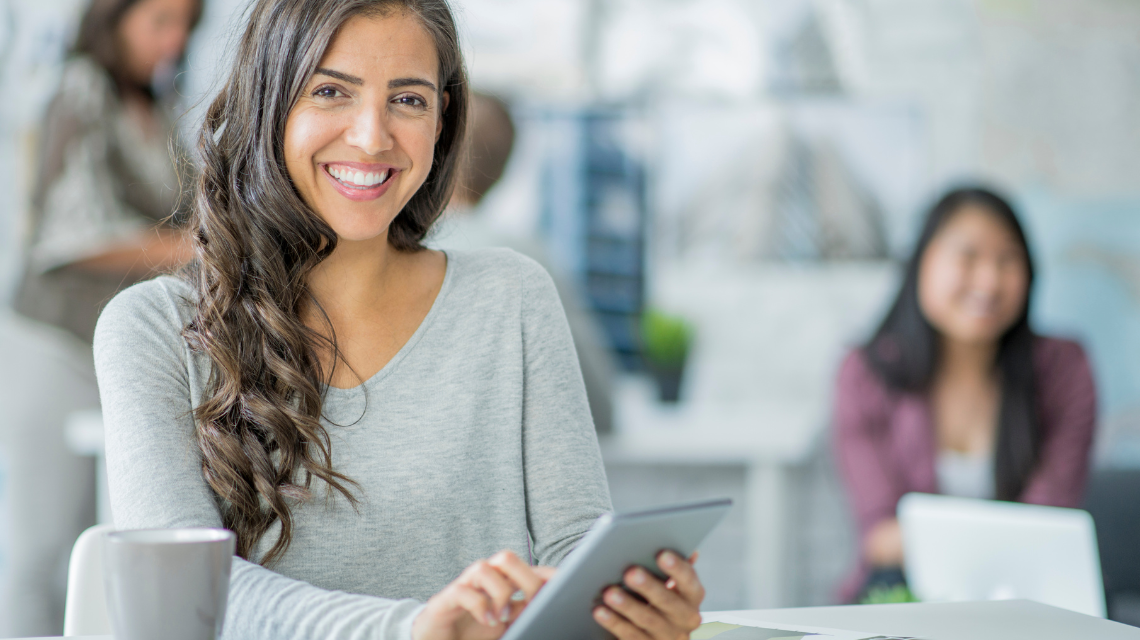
<point x="357" y="178"/>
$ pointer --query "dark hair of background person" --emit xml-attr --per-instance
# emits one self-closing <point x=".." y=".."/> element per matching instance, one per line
<point x="256" y="242"/>
<point x="905" y="351"/>
<point x="491" y="136"/>
<point x="98" y="37"/>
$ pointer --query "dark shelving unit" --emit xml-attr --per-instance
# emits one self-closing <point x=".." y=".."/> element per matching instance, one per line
<point x="594" y="217"/>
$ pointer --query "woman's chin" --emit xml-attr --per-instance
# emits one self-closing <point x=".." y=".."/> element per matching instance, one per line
<point x="367" y="227"/>
<point x="979" y="333"/>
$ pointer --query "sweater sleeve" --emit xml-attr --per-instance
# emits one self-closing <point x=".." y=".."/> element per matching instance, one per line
<point x="860" y="443"/>
<point x="1067" y="411"/>
<point x="154" y="472"/>
<point x="566" y="489"/>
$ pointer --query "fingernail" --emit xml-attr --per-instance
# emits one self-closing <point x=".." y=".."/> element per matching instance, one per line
<point x="615" y="596"/>
<point x="602" y="613"/>
<point x="638" y="577"/>
<point x="505" y="615"/>
<point x="668" y="560"/>
<point x="490" y="619"/>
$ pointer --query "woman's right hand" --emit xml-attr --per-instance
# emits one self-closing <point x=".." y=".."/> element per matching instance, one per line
<point x="479" y="604"/>
<point x="883" y="546"/>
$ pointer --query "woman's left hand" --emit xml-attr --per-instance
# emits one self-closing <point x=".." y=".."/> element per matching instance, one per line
<point x="670" y="611"/>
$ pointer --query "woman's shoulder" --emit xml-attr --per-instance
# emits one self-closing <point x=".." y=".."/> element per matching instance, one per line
<point x="1052" y="354"/>
<point x="1060" y="362"/>
<point x="860" y="390"/>
<point x="85" y="87"/>
<point x="496" y="268"/>
<point x="162" y="305"/>
<point x="856" y="372"/>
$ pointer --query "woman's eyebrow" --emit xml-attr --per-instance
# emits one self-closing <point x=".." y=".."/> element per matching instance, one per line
<point x="410" y="82"/>
<point x="343" y="77"/>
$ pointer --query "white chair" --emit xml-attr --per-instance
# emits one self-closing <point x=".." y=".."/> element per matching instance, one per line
<point x="86" y="609"/>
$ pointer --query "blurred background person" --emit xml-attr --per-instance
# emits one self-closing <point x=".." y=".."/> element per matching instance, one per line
<point x="101" y="219"/>
<point x="106" y="184"/>
<point x="465" y="225"/>
<point x="955" y="393"/>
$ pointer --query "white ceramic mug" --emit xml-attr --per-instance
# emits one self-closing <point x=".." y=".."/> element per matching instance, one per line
<point x="168" y="583"/>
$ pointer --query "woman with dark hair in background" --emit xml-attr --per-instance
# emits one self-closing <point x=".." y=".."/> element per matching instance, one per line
<point x="955" y="393"/>
<point x="105" y="188"/>
<point x="396" y="435"/>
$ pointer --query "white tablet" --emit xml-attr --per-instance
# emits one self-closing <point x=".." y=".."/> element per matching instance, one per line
<point x="563" y="608"/>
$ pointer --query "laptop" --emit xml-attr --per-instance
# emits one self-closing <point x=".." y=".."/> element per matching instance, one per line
<point x="960" y="549"/>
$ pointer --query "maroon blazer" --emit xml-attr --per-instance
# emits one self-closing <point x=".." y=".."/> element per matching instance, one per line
<point x="886" y="446"/>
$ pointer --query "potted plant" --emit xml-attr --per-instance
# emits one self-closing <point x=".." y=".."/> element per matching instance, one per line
<point x="665" y="342"/>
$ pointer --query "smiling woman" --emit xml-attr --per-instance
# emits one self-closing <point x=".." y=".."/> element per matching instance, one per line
<point x="955" y="393"/>
<point x="398" y="436"/>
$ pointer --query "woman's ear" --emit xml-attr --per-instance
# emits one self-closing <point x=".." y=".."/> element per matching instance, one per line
<point x="439" y="123"/>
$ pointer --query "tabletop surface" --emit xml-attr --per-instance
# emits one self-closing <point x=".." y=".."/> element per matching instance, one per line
<point x="1008" y="620"/>
<point x="955" y="621"/>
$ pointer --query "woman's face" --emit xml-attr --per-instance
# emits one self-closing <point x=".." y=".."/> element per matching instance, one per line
<point x="152" y="34"/>
<point x="360" y="140"/>
<point x="973" y="278"/>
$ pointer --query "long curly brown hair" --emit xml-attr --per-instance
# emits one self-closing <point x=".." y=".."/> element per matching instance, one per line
<point x="258" y="426"/>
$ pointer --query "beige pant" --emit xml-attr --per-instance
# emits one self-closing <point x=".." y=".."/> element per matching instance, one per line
<point x="47" y="493"/>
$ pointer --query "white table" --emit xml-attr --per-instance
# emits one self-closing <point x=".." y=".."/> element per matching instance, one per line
<point x="1005" y="620"/>
<point x="1008" y="620"/>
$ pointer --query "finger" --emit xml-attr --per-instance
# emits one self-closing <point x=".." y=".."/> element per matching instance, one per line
<point x="653" y="590"/>
<point x="475" y="602"/>
<point x="623" y="629"/>
<point x="484" y="576"/>
<point x="668" y="603"/>
<point x="521" y="573"/>
<point x="546" y="573"/>
<point x="684" y="577"/>
<point x="671" y="583"/>
<point x="692" y="560"/>
<point x="646" y="617"/>
<point x="516" y="610"/>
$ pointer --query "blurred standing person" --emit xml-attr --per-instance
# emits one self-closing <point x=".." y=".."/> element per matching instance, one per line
<point x="102" y="204"/>
<point x="491" y="135"/>
<point x="955" y="393"/>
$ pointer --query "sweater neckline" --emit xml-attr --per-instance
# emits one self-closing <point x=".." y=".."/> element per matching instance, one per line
<point x="410" y="345"/>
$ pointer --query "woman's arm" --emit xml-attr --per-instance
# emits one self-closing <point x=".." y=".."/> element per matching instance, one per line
<point x="566" y="487"/>
<point x="860" y="425"/>
<point x="153" y="251"/>
<point x="154" y="471"/>
<point x="1067" y="405"/>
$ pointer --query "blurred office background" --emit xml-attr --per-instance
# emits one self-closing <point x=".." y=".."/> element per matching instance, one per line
<point x="758" y="169"/>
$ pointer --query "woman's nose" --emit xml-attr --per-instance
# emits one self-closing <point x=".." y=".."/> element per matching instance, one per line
<point x="987" y="277"/>
<point x="369" y="132"/>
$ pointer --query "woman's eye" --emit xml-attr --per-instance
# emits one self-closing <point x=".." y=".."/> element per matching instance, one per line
<point x="326" y="92"/>
<point x="411" y="101"/>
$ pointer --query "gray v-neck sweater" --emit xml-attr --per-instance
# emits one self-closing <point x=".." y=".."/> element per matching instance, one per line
<point x="476" y="437"/>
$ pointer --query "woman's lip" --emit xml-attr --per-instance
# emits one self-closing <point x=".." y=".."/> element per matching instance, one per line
<point x="360" y="194"/>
